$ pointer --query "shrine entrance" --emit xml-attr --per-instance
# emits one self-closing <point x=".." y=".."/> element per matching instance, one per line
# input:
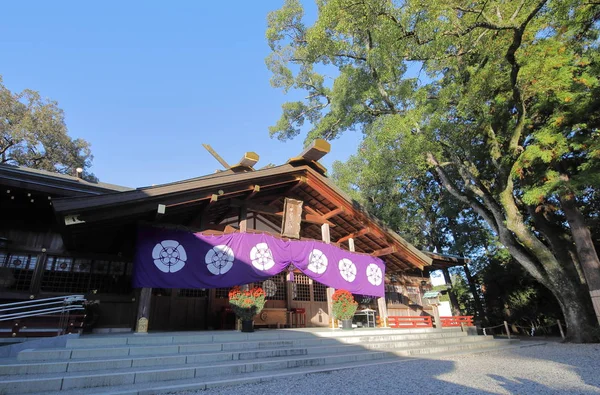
<point x="178" y="309"/>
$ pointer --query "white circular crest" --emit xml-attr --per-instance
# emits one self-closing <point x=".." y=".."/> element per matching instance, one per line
<point x="262" y="257"/>
<point x="270" y="288"/>
<point x="317" y="262"/>
<point x="219" y="259"/>
<point x="374" y="274"/>
<point x="347" y="269"/>
<point x="169" y="256"/>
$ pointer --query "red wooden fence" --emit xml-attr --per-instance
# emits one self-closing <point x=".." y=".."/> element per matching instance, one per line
<point x="467" y="320"/>
<point x="398" y="321"/>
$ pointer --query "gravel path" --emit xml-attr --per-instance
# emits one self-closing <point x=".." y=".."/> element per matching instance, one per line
<point x="552" y="368"/>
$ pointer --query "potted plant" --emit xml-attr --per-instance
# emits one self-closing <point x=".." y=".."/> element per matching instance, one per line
<point x="344" y="307"/>
<point x="246" y="304"/>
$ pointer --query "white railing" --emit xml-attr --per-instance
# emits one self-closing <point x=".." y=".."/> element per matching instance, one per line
<point x="60" y="305"/>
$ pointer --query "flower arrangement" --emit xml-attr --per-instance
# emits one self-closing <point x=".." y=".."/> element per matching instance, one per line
<point x="344" y="305"/>
<point x="246" y="304"/>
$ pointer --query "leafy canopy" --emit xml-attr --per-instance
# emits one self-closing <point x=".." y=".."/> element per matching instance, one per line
<point x="33" y="134"/>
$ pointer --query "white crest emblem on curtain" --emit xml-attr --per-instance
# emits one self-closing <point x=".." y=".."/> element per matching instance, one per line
<point x="347" y="269"/>
<point x="262" y="257"/>
<point x="169" y="256"/>
<point x="317" y="262"/>
<point x="219" y="259"/>
<point x="374" y="274"/>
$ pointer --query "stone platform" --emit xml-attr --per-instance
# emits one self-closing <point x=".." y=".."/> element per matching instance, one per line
<point x="168" y="362"/>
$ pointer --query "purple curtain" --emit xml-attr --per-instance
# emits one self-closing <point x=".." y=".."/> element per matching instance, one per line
<point x="168" y="258"/>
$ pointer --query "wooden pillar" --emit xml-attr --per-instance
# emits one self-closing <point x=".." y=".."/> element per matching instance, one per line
<point x="476" y="299"/>
<point x="243" y="219"/>
<point x="330" y="292"/>
<point x="436" y="316"/>
<point x="382" y="307"/>
<point x="289" y="297"/>
<point x="143" y="315"/>
<point x="453" y="299"/>
<point x="326" y="237"/>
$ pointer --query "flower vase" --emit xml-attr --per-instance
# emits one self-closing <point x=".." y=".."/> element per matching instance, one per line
<point x="347" y="325"/>
<point x="247" y="326"/>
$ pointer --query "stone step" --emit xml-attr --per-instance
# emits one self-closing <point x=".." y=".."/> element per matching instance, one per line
<point x="62" y="381"/>
<point x="230" y="337"/>
<point x="201" y="383"/>
<point x="179" y="359"/>
<point x="139" y="350"/>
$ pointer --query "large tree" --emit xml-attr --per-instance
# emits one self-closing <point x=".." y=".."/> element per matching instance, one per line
<point x="503" y="113"/>
<point x="33" y="134"/>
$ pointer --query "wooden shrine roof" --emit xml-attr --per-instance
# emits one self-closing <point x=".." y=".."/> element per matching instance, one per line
<point x="53" y="183"/>
<point x="445" y="261"/>
<point x="204" y="202"/>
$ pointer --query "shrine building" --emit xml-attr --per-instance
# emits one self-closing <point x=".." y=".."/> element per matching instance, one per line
<point x="170" y="253"/>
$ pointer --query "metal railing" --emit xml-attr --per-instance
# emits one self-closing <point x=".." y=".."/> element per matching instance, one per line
<point x="62" y="306"/>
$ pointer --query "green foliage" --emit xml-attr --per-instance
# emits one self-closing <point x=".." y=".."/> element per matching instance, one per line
<point x="246" y="304"/>
<point x="343" y="304"/>
<point x="444" y="297"/>
<point x="514" y="296"/>
<point x="500" y="125"/>
<point x="33" y="134"/>
<point x="461" y="289"/>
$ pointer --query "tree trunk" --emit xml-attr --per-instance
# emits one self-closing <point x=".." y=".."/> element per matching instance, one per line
<point x="575" y="305"/>
<point x="562" y="280"/>
<point x="476" y="299"/>
<point x="586" y="252"/>
<point x="552" y="270"/>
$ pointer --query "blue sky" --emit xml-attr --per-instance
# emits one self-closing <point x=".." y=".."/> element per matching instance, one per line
<point x="146" y="83"/>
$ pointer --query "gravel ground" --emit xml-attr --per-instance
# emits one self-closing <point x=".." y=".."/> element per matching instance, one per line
<point x="552" y="368"/>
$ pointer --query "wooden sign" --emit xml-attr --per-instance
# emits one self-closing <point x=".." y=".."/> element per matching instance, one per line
<point x="292" y="218"/>
<point x="142" y="325"/>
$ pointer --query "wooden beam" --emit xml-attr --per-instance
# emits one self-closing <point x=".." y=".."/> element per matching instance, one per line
<point x="315" y="151"/>
<point x="255" y="191"/>
<point x="201" y="219"/>
<point x="333" y="213"/>
<point x="318" y="216"/>
<point x="383" y="251"/>
<point x="248" y="160"/>
<point x="225" y="215"/>
<point x="216" y="156"/>
<point x="313" y="211"/>
<point x="301" y="180"/>
<point x="258" y="208"/>
<point x="354" y="235"/>
<point x="270" y="210"/>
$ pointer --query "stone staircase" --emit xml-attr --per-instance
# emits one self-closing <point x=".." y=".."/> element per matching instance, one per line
<point x="170" y="362"/>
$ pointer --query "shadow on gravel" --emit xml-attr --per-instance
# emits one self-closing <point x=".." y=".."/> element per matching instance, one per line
<point x="526" y="386"/>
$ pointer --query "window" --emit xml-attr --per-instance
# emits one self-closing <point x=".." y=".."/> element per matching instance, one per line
<point x="274" y="287"/>
<point x="301" y="287"/>
<point x="67" y="274"/>
<point x="16" y="270"/>
<point x="192" y="293"/>
<point x="222" y="293"/>
<point x="319" y="292"/>
<point x="161" y="291"/>
<point x="414" y="295"/>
